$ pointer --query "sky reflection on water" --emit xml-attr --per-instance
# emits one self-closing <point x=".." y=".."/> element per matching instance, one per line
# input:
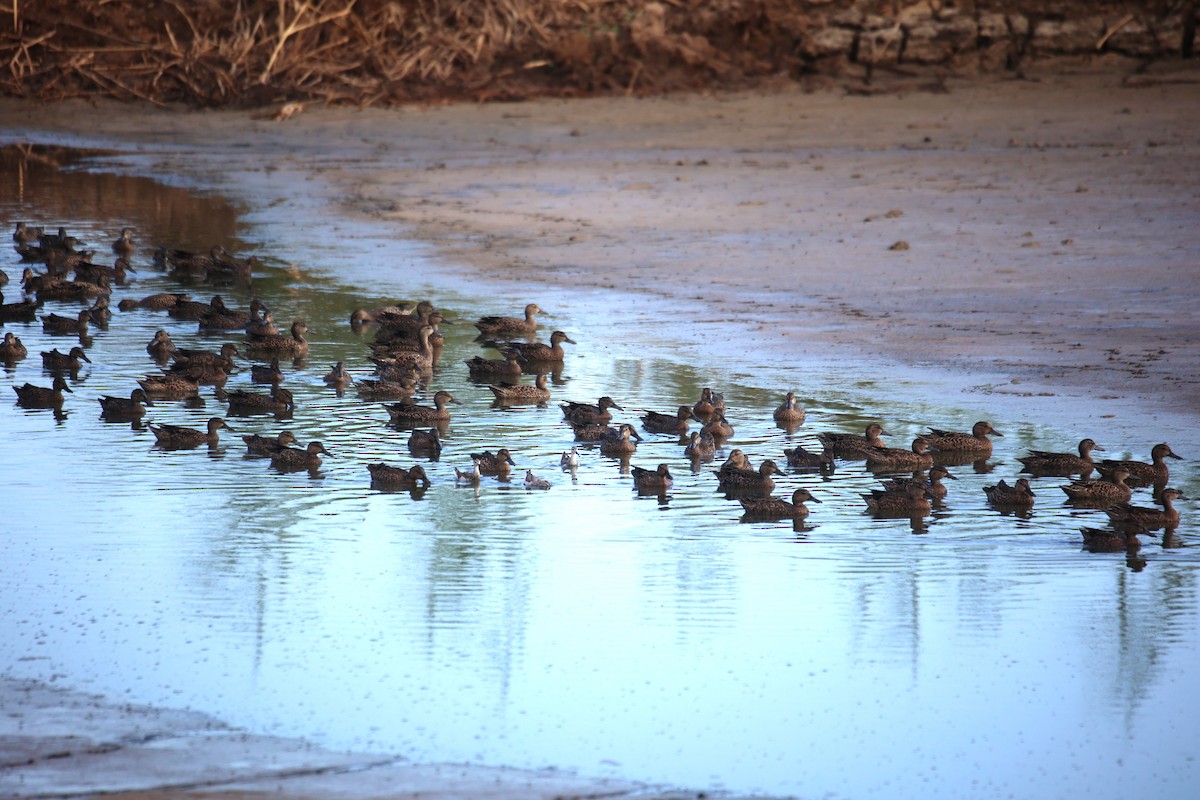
<point x="975" y="653"/>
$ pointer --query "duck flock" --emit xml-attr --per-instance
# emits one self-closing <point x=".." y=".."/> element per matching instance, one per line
<point x="407" y="344"/>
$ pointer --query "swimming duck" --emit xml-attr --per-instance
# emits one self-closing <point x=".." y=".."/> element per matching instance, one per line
<point x="507" y="369"/>
<point x="56" y="324"/>
<point x="659" y="478"/>
<point x="64" y="362"/>
<point x="700" y="446"/>
<point x="261" y="324"/>
<point x="933" y="484"/>
<point x="423" y="358"/>
<point x="919" y="457"/>
<point x="155" y="302"/>
<point x="736" y="461"/>
<point x="1141" y="473"/>
<point x="473" y="475"/>
<point x="88" y="272"/>
<point x="850" y="445"/>
<point x="31" y="396"/>
<point x="708" y="403"/>
<point x="799" y="458"/>
<point x="161" y="347"/>
<point x="72" y="290"/>
<point x="177" y="437"/>
<point x="511" y="326"/>
<point x="768" y="508"/>
<point x="391" y="341"/>
<point x="99" y="313"/>
<point x="952" y="441"/>
<point x="534" y="482"/>
<point x="624" y="443"/>
<point x="220" y="317"/>
<point x="520" y="393"/>
<point x="411" y="413"/>
<point x="11" y="349"/>
<point x="221" y="359"/>
<point x="124" y="409"/>
<point x="25" y="233"/>
<point x="914" y="501"/>
<point x="361" y="316"/>
<point x="588" y="414"/>
<point x="259" y="445"/>
<point x="570" y="459"/>
<point x="125" y="245"/>
<point x="677" y="423"/>
<point x="717" y="426"/>
<point x="337" y="376"/>
<point x="538" y="354"/>
<point x="23" y="311"/>
<point x="497" y="463"/>
<point x="398" y="477"/>
<point x="293" y="458"/>
<point x="1124" y="515"/>
<point x="1004" y="495"/>
<point x="242" y="402"/>
<point x="594" y="433"/>
<point x="170" y="387"/>
<point x="384" y="389"/>
<point x="1111" y="489"/>
<point x="1100" y="540"/>
<point x="399" y="325"/>
<point x="747" y="479"/>
<point x="426" y="443"/>
<point x="790" y="413"/>
<point x="1046" y="462"/>
<point x="295" y="345"/>
<point x="271" y="373"/>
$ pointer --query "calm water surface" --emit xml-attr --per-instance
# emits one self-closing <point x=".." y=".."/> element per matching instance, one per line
<point x="972" y="653"/>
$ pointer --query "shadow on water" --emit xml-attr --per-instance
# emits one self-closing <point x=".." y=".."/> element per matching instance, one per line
<point x="653" y="637"/>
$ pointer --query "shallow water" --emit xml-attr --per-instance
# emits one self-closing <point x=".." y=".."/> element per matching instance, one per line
<point x="586" y="628"/>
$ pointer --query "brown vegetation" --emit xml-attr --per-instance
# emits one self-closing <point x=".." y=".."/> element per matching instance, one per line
<point x="365" y="52"/>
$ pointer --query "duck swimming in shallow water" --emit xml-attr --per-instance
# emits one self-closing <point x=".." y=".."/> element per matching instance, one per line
<point x="293" y="458"/>
<point x="259" y="445"/>
<point x="933" y="484"/>
<point x="769" y="508"/>
<point x="1140" y="473"/>
<point x="11" y="349"/>
<point x="919" y="457"/>
<point x="124" y="409"/>
<point x="850" y="445"/>
<point x="659" y="478"/>
<point x="1004" y="495"/>
<point x="511" y="326"/>
<point x="177" y="437"/>
<point x="954" y="442"/>
<point x="1124" y="515"/>
<point x="790" y="412"/>
<point x="1047" y="462"/>
<point x="498" y="463"/>
<point x="588" y="414"/>
<point x="1112" y="489"/>
<point x="398" y="477"/>
<point x="677" y="423"/>
<point x="30" y="396"/>
<point x="534" y="482"/>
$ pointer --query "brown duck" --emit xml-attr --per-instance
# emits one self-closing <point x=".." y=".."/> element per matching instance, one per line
<point x="124" y="409"/>
<point x="769" y="508"/>
<point x="177" y="437"/>
<point x="30" y="396"/>
<point x="1004" y="495"/>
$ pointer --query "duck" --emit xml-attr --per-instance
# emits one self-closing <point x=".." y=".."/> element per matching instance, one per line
<point x="294" y="458"/>
<point x="73" y="291"/>
<point x="295" y="345"/>
<point x="400" y="325"/>
<point x="161" y="347"/>
<point x="700" y="446"/>
<point x="26" y="233"/>
<point x="769" y="508"/>
<point x="31" y="396"/>
<point x="1004" y="495"/>
<point x="1111" y="489"/>
<point x="361" y="316"/>
<point x="259" y="445"/>
<point x="570" y="459"/>
<point x="124" y="245"/>
<point x="221" y="359"/>
<point x="933" y="484"/>
<point x="65" y="362"/>
<point x="100" y="314"/>
<point x="279" y="401"/>
<point x="12" y="349"/>
<point x="587" y="414"/>
<point x="91" y="273"/>
<point x="540" y="354"/>
<point x="170" y="387"/>
<point x="659" y="478"/>
<point x="708" y="403"/>
<point x="428" y="443"/>
<point x="422" y="358"/>
<point x="473" y="475"/>
<point x="851" y="445"/>
<point x="337" y="376"/>
<point x="155" y="302"/>
<point x="1140" y="473"/>
<point x="23" y="311"/>
<point x="789" y="413"/>
<point x="955" y="442"/>
<point x="398" y="477"/>
<point x="385" y="389"/>
<point x="202" y="372"/>
<point x="507" y="369"/>
<point x="511" y="326"/>
<point x="271" y="373"/>
<point x="261" y="323"/>
<point x="534" y="482"/>
<point x="521" y="393"/>
<point x="177" y="437"/>
<point x="747" y="479"/>
<point x="124" y="409"/>
<point x="1124" y="515"/>
<point x="913" y="501"/>
<point x="677" y="423"/>
<point x="594" y="433"/>
<point x="736" y="461"/>
<point x="57" y="324"/>
<point x="717" y="426"/>
<point x="919" y="457"/>
<point x="1047" y="462"/>
<point x="411" y="413"/>
<point x="799" y="458"/>
<point x="624" y="443"/>
<point x="497" y="463"/>
<point x="220" y="317"/>
<point x="1101" y="540"/>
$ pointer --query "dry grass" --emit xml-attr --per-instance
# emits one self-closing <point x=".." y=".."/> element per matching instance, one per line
<point x="366" y="52"/>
